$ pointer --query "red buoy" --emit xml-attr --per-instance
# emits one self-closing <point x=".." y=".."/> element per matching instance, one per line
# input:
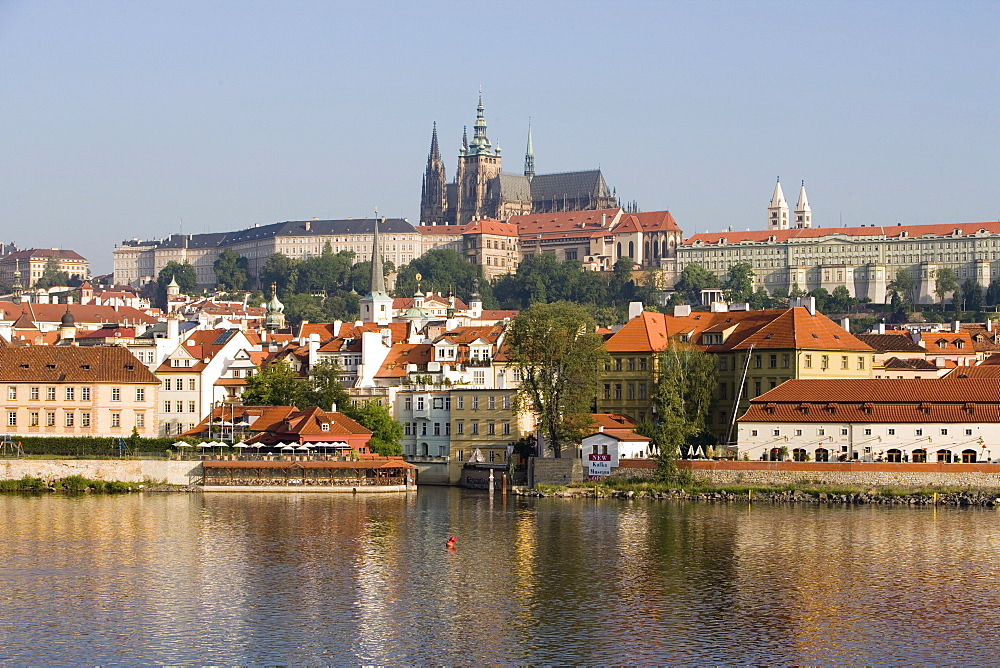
<point x="451" y="543"/>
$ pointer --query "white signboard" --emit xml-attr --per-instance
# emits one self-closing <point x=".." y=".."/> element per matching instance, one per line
<point x="599" y="466"/>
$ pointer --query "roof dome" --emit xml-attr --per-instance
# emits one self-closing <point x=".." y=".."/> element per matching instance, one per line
<point x="67" y="319"/>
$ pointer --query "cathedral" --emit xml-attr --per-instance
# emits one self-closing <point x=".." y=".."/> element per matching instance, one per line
<point x="482" y="190"/>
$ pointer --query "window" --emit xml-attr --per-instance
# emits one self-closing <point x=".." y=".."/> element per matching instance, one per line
<point x="140" y="420"/>
<point x="491" y="402"/>
<point x="461" y="402"/>
<point x="861" y="363"/>
<point x="920" y="432"/>
<point x="491" y="428"/>
<point x="808" y="361"/>
<point x="437" y="428"/>
<point x="12" y="393"/>
<point x="756" y="388"/>
<point x="116" y="420"/>
<point x="166" y="383"/>
<point x="642" y="391"/>
<point x="772" y="363"/>
<point x="33" y="419"/>
<point x="821" y="432"/>
<point x="892" y="432"/>
<point x="618" y="391"/>
<point x="475" y="428"/>
<point x="50" y="419"/>
<point x="438" y="402"/>
<point x="944" y="432"/>
<point x="786" y="361"/>
<point x="180" y="406"/>
<point x="506" y="428"/>
<point x="406" y="429"/>
<point x="723" y="363"/>
<point x="642" y="364"/>
<point x="408" y="404"/>
<point x="33" y="393"/>
<point x="723" y="390"/>
<point x="631" y="391"/>
<point x="50" y="394"/>
<point x="506" y="402"/>
<point x="460" y="455"/>
<point x="140" y="394"/>
<point x="968" y="432"/>
<point x="618" y="364"/>
<point x="191" y="408"/>
<point x="420" y="403"/>
<point x="84" y="394"/>
<point x="116" y="394"/>
<point x="459" y="427"/>
<point x="84" y="419"/>
<point x="798" y="432"/>
<point x="631" y="364"/>
<point x="607" y="390"/>
<point x="70" y="418"/>
<point x="70" y="394"/>
<point x="824" y="362"/>
<point x="479" y="377"/>
<point x="843" y="361"/>
<point x="843" y="431"/>
<point x="753" y="432"/>
<point x="166" y="406"/>
<point x="776" y="432"/>
<point x="758" y="361"/>
<point x="11" y="418"/>
<point x="868" y="432"/>
<point x="191" y="383"/>
<point x="475" y="403"/>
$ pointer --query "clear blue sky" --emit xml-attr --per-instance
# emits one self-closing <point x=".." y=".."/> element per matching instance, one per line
<point x="120" y="119"/>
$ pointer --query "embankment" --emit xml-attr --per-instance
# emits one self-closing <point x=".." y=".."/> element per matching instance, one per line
<point x="170" y="472"/>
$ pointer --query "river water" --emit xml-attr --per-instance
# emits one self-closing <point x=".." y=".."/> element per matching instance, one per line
<point x="314" y="579"/>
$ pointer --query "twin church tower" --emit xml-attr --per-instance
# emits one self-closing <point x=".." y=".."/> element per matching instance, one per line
<point x="482" y="190"/>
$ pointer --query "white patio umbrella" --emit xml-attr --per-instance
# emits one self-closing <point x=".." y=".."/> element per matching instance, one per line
<point x="182" y="444"/>
<point x="690" y="451"/>
<point x="303" y="447"/>
<point x="701" y="452"/>
<point x="240" y="445"/>
<point x="206" y="444"/>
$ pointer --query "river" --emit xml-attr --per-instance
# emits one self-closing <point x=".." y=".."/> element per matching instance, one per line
<point x="230" y="578"/>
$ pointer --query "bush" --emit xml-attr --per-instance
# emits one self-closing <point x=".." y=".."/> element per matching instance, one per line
<point x="89" y="446"/>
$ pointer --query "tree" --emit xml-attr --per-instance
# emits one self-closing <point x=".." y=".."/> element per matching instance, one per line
<point x="387" y="433"/>
<point x="682" y="397"/>
<point x="972" y="295"/>
<point x="51" y="276"/>
<point x="993" y="293"/>
<point x="324" y="388"/>
<point x="441" y="270"/>
<point x="280" y="270"/>
<point x="695" y="278"/>
<point x="738" y="285"/>
<point x="183" y="274"/>
<point x="822" y="297"/>
<point x="231" y="270"/>
<point x="557" y="353"/>
<point x="275" y="385"/>
<point x="903" y="285"/>
<point x="945" y="282"/>
<point x="841" y="300"/>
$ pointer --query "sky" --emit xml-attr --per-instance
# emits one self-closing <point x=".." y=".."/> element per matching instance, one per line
<point x="140" y="119"/>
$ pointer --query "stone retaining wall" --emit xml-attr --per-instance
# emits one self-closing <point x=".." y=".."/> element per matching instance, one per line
<point x="171" y="472"/>
<point x="834" y="474"/>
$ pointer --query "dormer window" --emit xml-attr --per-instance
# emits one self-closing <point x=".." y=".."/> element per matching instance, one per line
<point x="325" y="426"/>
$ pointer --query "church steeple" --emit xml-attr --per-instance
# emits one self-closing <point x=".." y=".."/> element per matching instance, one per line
<point x="803" y="212"/>
<point x="464" y="150"/>
<point x="777" y="212"/>
<point x="480" y="144"/>
<point x="433" y="191"/>
<point x="376" y="306"/>
<point x="529" y="156"/>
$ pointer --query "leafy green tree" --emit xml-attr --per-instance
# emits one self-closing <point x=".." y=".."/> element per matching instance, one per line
<point x="779" y="298"/>
<point x="300" y="306"/>
<point x="387" y="433"/>
<point x="972" y="296"/>
<point x="51" y="276"/>
<point x="738" y="285"/>
<point x="557" y="353"/>
<point x="280" y="270"/>
<point x="945" y="283"/>
<point x="442" y="270"/>
<point x="760" y="299"/>
<point x="841" y="300"/>
<point x="903" y="284"/>
<point x="695" y="278"/>
<point x="863" y="324"/>
<point x="231" y="270"/>
<point x="326" y="273"/>
<point x="324" y="389"/>
<point x="822" y="297"/>
<point x="275" y="385"/>
<point x="993" y="293"/>
<point x="185" y="276"/>
<point x="682" y="397"/>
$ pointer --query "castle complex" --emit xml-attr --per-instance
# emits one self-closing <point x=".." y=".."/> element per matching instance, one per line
<point x="482" y="190"/>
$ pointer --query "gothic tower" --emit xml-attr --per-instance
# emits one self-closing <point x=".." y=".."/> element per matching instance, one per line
<point x="433" y="193"/>
<point x="529" y="156"/>
<point x="777" y="213"/>
<point x="478" y="167"/>
<point x="803" y="213"/>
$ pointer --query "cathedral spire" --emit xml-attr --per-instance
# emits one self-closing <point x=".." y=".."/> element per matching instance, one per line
<point x="777" y="212"/>
<point x="465" y="142"/>
<point x="376" y="306"/>
<point x="480" y="144"/>
<point x="435" y="153"/>
<point x="529" y="156"/>
<point x="803" y="212"/>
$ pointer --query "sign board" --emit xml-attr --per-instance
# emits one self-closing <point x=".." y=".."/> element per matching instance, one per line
<point x="599" y="466"/>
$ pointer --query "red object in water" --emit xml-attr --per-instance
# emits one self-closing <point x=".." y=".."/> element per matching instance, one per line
<point x="451" y="543"/>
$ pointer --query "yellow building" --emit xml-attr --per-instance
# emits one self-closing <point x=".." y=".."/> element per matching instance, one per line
<point x="483" y="426"/>
<point x="755" y="352"/>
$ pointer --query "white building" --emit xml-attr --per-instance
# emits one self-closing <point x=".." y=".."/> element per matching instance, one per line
<point x="937" y="420"/>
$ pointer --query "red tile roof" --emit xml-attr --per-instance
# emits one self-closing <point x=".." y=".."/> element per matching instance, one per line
<point x="945" y="229"/>
<point x="72" y="364"/>
<point x="565" y="222"/>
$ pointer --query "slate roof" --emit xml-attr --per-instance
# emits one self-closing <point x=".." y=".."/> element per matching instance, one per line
<point x="72" y="364"/>
<point x="285" y="229"/>
<point x="569" y="184"/>
<point x="894" y="343"/>
<point x="515" y="187"/>
<point x="38" y="253"/>
<point x="910" y="364"/>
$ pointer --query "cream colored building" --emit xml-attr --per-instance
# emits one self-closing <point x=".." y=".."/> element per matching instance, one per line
<point x="76" y="391"/>
<point x="32" y="263"/>
<point x="137" y="262"/>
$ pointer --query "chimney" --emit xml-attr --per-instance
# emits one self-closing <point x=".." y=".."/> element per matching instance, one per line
<point x="634" y="309"/>
<point x="845" y="322"/>
<point x="313" y="349"/>
<point x="682" y="310"/>
<point x="956" y="326"/>
<point x="333" y="407"/>
<point x="989" y="323"/>
<point x="881" y="328"/>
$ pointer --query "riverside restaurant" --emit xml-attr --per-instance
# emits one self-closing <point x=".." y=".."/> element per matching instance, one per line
<point x="382" y="474"/>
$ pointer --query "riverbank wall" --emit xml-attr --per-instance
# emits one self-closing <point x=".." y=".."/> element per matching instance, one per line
<point x="829" y="474"/>
<point x="170" y="472"/>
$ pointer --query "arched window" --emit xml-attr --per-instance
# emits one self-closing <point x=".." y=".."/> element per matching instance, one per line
<point x="919" y="456"/>
<point x="822" y="455"/>
<point x="944" y="456"/>
<point x="619" y="249"/>
<point x="645" y="249"/>
<point x="968" y="456"/>
<point x="894" y="455"/>
<point x="799" y="454"/>
<point x="631" y="249"/>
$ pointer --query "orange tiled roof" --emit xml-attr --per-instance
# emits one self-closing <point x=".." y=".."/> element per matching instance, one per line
<point x="565" y="222"/>
<point x="890" y="232"/>
<point x="72" y="364"/>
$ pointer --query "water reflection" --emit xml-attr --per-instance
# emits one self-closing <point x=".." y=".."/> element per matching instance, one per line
<point x="274" y="578"/>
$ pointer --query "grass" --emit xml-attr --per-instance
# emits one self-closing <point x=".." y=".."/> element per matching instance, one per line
<point x="70" y="484"/>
